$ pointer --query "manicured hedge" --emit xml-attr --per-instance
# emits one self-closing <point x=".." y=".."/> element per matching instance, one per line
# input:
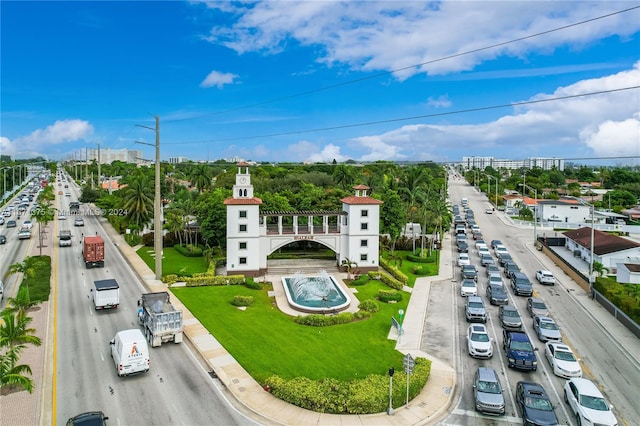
<point x="395" y="272"/>
<point x="386" y="279"/>
<point x="365" y="396"/>
<point x="242" y="301"/>
<point x="386" y="296"/>
<point x="189" y="250"/>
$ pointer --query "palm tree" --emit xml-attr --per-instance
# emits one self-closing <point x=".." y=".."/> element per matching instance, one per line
<point x="21" y="304"/>
<point x="599" y="268"/>
<point x="349" y="264"/>
<point x="14" y="375"/>
<point x="138" y="201"/>
<point x="43" y="215"/>
<point x="200" y="177"/>
<point x="344" y="176"/>
<point x="15" y="336"/>
<point x="175" y="222"/>
<point x="27" y="268"/>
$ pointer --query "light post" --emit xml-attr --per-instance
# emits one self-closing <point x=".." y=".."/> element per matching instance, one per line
<point x="390" y="408"/>
<point x="593" y="210"/>
<point x="535" y="212"/>
<point x="489" y="190"/>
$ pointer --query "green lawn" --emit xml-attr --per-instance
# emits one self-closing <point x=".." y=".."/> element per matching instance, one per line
<point x="40" y="283"/>
<point x="173" y="262"/>
<point x="267" y="342"/>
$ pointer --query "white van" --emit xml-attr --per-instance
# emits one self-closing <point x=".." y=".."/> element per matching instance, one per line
<point x="130" y="352"/>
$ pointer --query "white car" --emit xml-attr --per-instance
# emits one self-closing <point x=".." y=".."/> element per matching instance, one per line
<point x="587" y="403"/>
<point x="483" y="250"/>
<point x="496" y="279"/>
<point x="545" y="277"/>
<point x="479" y="344"/>
<point x="468" y="288"/>
<point x="480" y="244"/>
<point x="61" y="216"/>
<point x="463" y="259"/>
<point x="500" y="250"/>
<point x="562" y="359"/>
<point x="27" y="224"/>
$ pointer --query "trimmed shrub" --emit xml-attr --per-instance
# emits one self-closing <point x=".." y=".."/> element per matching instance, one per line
<point x="250" y="283"/>
<point x="361" y="280"/>
<point x="416" y="258"/>
<point x="421" y="270"/>
<point x="242" y="301"/>
<point x="204" y="279"/>
<point x="395" y="272"/>
<point x="387" y="296"/>
<point x="369" y="305"/>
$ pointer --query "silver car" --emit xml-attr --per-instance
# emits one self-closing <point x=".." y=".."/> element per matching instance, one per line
<point x="546" y="329"/>
<point x="487" y="392"/>
<point x="536" y="306"/>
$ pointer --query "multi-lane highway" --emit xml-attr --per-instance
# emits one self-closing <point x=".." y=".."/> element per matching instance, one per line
<point x="176" y="390"/>
<point x="603" y="360"/>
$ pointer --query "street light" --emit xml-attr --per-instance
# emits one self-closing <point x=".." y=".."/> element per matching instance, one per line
<point x="489" y="190"/>
<point x="535" y="211"/>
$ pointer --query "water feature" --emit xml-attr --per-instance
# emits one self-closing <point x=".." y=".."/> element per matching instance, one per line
<point x="315" y="293"/>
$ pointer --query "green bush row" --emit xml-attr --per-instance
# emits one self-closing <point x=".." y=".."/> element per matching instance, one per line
<point x="361" y="280"/>
<point x="416" y="258"/>
<point x="205" y="279"/>
<point x="365" y="396"/>
<point x="624" y="296"/>
<point x="320" y="320"/>
<point x="395" y="272"/>
<point x="386" y="296"/>
<point x="387" y="280"/>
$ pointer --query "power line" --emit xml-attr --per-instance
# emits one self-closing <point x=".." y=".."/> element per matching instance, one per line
<point x="415" y="117"/>
<point x="386" y="73"/>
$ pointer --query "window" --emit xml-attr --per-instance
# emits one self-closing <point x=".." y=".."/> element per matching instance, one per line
<point x="364" y="243"/>
<point x="363" y="258"/>
<point x="243" y="228"/>
<point x="243" y="261"/>
<point x="364" y="213"/>
<point x="574" y="207"/>
<point x="243" y="246"/>
<point x="243" y="213"/>
<point x="554" y="207"/>
<point x="364" y="226"/>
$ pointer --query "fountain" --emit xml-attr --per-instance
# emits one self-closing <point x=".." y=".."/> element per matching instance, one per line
<point x="315" y="294"/>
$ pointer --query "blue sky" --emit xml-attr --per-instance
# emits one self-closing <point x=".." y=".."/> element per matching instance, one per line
<point x="298" y="80"/>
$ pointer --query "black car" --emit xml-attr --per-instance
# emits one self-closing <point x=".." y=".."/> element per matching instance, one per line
<point x="504" y="258"/>
<point x="497" y="295"/>
<point x="3" y="239"/>
<point x="495" y="243"/>
<point x="510" y="268"/>
<point x="463" y="247"/>
<point x="534" y="404"/>
<point x="521" y="284"/>
<point x="90" y="418"/>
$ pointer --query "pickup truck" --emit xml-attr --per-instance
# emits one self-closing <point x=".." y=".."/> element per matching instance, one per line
<point x="545" y="277"/>
<point x="520" y="352"/>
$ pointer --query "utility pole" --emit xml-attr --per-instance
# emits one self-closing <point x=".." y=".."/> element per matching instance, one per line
<point x="86" y="163"/>
<point x="99" y="184"/>
<point x="157" y="203"/>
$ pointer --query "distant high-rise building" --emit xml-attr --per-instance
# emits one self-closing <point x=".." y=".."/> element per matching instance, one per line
<point x="176" y="160"/>
<point x="108" y="155"/>
<point x="484" y="162"/>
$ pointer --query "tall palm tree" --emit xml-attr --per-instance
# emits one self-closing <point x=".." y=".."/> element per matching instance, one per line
<point x="599" y="268"/>
<point x="200" y="177"/>
<point x="344" y="176"/>
<point x="175" y="222"/>
<point x="43" y="215"/>
<point x="138" y="201"/>
<point x="15" y="335"/>
<point x="20" y="304"/>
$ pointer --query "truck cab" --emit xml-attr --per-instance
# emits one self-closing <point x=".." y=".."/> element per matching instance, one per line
<point x="520" y="352"/>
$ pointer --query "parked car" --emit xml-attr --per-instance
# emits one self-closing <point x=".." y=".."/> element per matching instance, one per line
<point x="497" y="295"/>
<point x="27" y="224"/>
<point x="562" y="360"/>
<point x="546" y="329"/>
<point x="495" y="278"/>
<point x="495" y="243"/>
<point x="11" y="224"/>
<point x="521" y="284"/>
<point x="504" y="258"/>
<point x="487" y="259"/>
<point x="510" y="268"/>
<point x="464" y="259"/>
<point x="500" y="250"/>
<point x="534" y="404"/>
<point x="469" y="271"/>
<point x="510" y="318"/>
<point x="587" y="403"/>
<point x="493" y="270"/>
<point x="3" y="239"/>
<point x="474" y="310"/>
<point x="483" y="249"/>
<point x="545" y="277"/>
<point x="487" y="391"/>
<point x="477" y="235"/>
<point x="468" y="288"/>
<point x="536" y="306"/>
<point x="479" y="344"/>
<point x="1" y="220"/>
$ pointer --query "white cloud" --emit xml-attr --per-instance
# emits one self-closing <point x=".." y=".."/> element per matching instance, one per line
<point x="442" y="101"/>
<point x="327" y="154"/>
<point x="62" y="131"/>
<point x="369" y="35"/>
<point x="218" y="79"/>
<point x="603" y="125"/>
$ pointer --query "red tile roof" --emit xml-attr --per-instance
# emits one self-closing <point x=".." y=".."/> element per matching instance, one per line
<point x="352" y="199"/>
<point x="242" y="201"/>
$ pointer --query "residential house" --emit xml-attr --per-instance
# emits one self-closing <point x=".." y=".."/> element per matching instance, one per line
<point x="567" y="210"/>
<point x="608" y="249"/>
<point x="628" y="273"/>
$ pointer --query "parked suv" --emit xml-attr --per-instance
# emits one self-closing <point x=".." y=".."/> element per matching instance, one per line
<point x="474" y="309"/>
<point x="487" y="391"/>
<point x="521" y="284"/>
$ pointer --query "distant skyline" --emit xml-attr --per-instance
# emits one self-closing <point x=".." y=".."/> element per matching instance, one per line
<point x="323" y="80"/>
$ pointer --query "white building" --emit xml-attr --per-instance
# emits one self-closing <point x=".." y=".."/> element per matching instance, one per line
<point x="529" y="163"/>
<point x="628" y="273"/>
<point x="108" y="155"/>
<point x="608" y="249"/>
<point x="177" y="160"/>
<point x="564" y="210"/>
